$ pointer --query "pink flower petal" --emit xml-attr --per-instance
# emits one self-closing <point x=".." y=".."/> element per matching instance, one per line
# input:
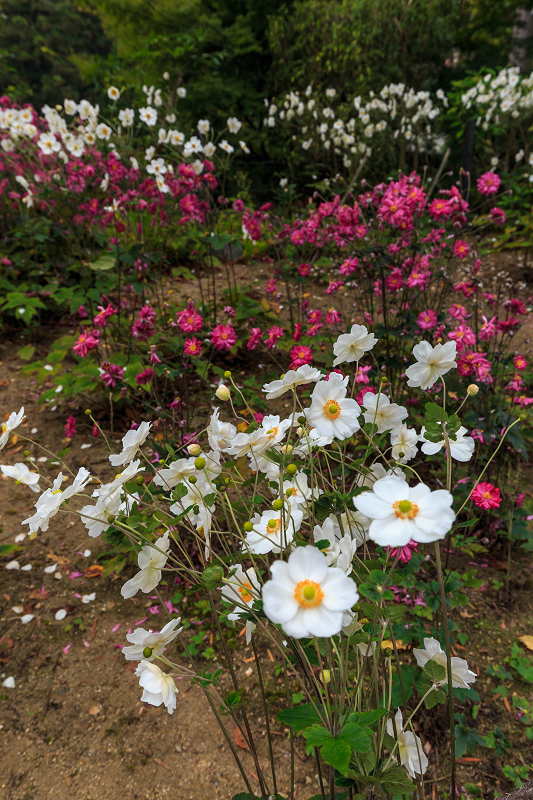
<point x="141" y="621"/>
<point x="115" y="629"/>
<point x="67" y="648"/>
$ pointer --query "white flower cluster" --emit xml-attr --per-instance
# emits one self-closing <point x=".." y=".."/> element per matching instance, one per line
<point x="349" y="129"/>
<point x="494" y="98"/>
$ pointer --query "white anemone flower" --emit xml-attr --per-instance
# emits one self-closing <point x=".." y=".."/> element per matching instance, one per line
<point x="21" y="474"/>
<point x="234" y="125"/>
<point x="96" y="518"/>
<point x="410" y="749"/>
<point x="273" y="531"/>
<point x="306" y="596"/>
<point x="431" y="363"/>
<point x="126" y="117"/>
<point x="331" y="412"/>
<point x="290" y="380"/>
<point x="341" y="549"/>
<point x="148" y="115"/>
<point x="159" y="687"/>
<point x="204" y="126"/>
<point x="461" y="449"/>
<point x="108" y="489"/>
<point x="50" y="501"/>
<point x="130" y="444"/>
<point x="209" y="149"/>
<point x="151" y="561"/>
<point x="103" y="131"/>
<point x="352" y="346"/>
<point x="462" y="677"/>
<point x="381" y="412"/>
<point x="400" y="513"/>
<point x="176" y="472"/>
<point x="155" y="640"/>
<point x="12" y="422"/>
<point x="296" y="492"/>
<point x="113" y="93"/>
<point x="226" y="146"/>
<point x="220" y="434"/>
<point x="241" y="589"/>
<point x="404" y="444"/>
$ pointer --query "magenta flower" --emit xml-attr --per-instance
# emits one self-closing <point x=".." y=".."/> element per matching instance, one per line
<point x="300" y="355"/>
<point x="112" y="374"/>
<point x="520" y="362"/>
<point x="427" y="319"/>
<point x="304" y="270"/>
<point x="498" y="216"/>
<point x="85" y="342"/>
<point x="361" y="375"/>
<point x="145" y="376"/>
<point x="275" y="333"/>
<point x="461" y="249"/>
<point x="189" y="320"/>
<point x="70" y="427"/>
<point x="192" y="347"/>
<point x="223" y="337"/>
<point x="404" y="554"/>
<point x="489" y="183"/>
<point x="486" y="496"/>
<point x="255" y="339"/>
<point x="333" y="317"/>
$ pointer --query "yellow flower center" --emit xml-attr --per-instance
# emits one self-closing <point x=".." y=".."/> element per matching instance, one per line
<point x="404" y="509"/>
<point x="309" y="594"/>
<point x="332" y="409"/>
<point x="57" y="491"/>
<point x="244" y="593"/>
<point x="273" y="525"/>
<point x="4" y="427"/>
<point x="272" y="433"/>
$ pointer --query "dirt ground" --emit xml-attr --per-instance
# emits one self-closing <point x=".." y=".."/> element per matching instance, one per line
<point x="74" y="726"/>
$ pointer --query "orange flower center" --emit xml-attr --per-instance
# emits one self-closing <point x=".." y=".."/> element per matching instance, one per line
<point x="309" y="594"/>
<point x="404" y="509"/>
<point x="244" y="593"/>
<point x="332" y="409"/>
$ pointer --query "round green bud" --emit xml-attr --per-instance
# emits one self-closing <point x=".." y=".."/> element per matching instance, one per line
<point x="248" y="527"/>
<point x="387" y="652"/>
<point x="277" y="505"/>
<point x="401" y="455"/>
<point x="88" y="412"/>
<point x="302" y="420"/>
<point x="199" y="463"/>
<point x="288" y="492"/>
<point x="139" y="480"/>
<point x="522" y="417"/>
<point x="223" y="488"/>
<point x="227" y="374"/>
<point x="227" y="481"/>
<point x="204" y="604"/>
<point x="196" y="509"/>
<point x="26" y="453"/>
<point x="193" y="479"/>
<point x="384" y="379"/>
<point x="292" y="469"/>
<point x="147" y="652"/>
<point x="272" y="523"/>
<point x="111" y="518"/>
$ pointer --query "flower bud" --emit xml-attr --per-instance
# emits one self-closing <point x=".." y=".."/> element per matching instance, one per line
<point x="325" y="676"/>
<point x="302" y="420"/>
<point x="199" y="463"/>
<point x="139" y="480"/>
<point x="26" y="453"/>
<point x="292" y="469"/>
<point x="111" y="518"/>
<point x="384" y="379"/>
<point x="223" y="393"/>
<point x="277" y="505"/>
<point x="193" y="479"/>
<point x="227" y="374"/>
<point x="387" y="652"/>
<point x="147" y="652"/>
<point x="194" y="449"/>
<point x="196" y="509"/>
<point x="287" y="449"/>
<point x="473" y="389"/>
<point x="248" y="527"/>
<point x="522" y="417"/>
<point x="88" y="412"/>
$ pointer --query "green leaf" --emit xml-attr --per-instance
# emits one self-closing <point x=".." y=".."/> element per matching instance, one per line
<point x="367" y="718"/>
<point x="317" y="735"/>
<point x="434" y="672"/>
<point x="336" y="752"/>
<point x="437" y="696"/>
<point x="26" y="352"/>
<point x="104" y="263"/>
<point x="299" y="718"/>
<point x="357" y="737"/>
<point x="395" y="781"/>
<point x="435" y="413"/>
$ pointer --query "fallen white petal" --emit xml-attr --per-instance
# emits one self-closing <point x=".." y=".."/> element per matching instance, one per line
<point x="50" y="568"/>
<point x="17" y="609"/>
<point x="20" y="537"/>
<point x="13" y="565"/>
<point x="27" y="618"/>
<point x="61" y="614"/>
<point x="26" y="568"/>
<point x="86" y="553"/>
<point x="9" y="683"/>
<point x="88" y="598"/>
<point x="85" y="446"/>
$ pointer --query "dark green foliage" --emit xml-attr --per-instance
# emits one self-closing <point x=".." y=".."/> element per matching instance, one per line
<point x="39" y="43"/>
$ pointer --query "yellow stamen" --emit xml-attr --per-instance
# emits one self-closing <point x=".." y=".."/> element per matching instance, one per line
<point x="309" y="594"/>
